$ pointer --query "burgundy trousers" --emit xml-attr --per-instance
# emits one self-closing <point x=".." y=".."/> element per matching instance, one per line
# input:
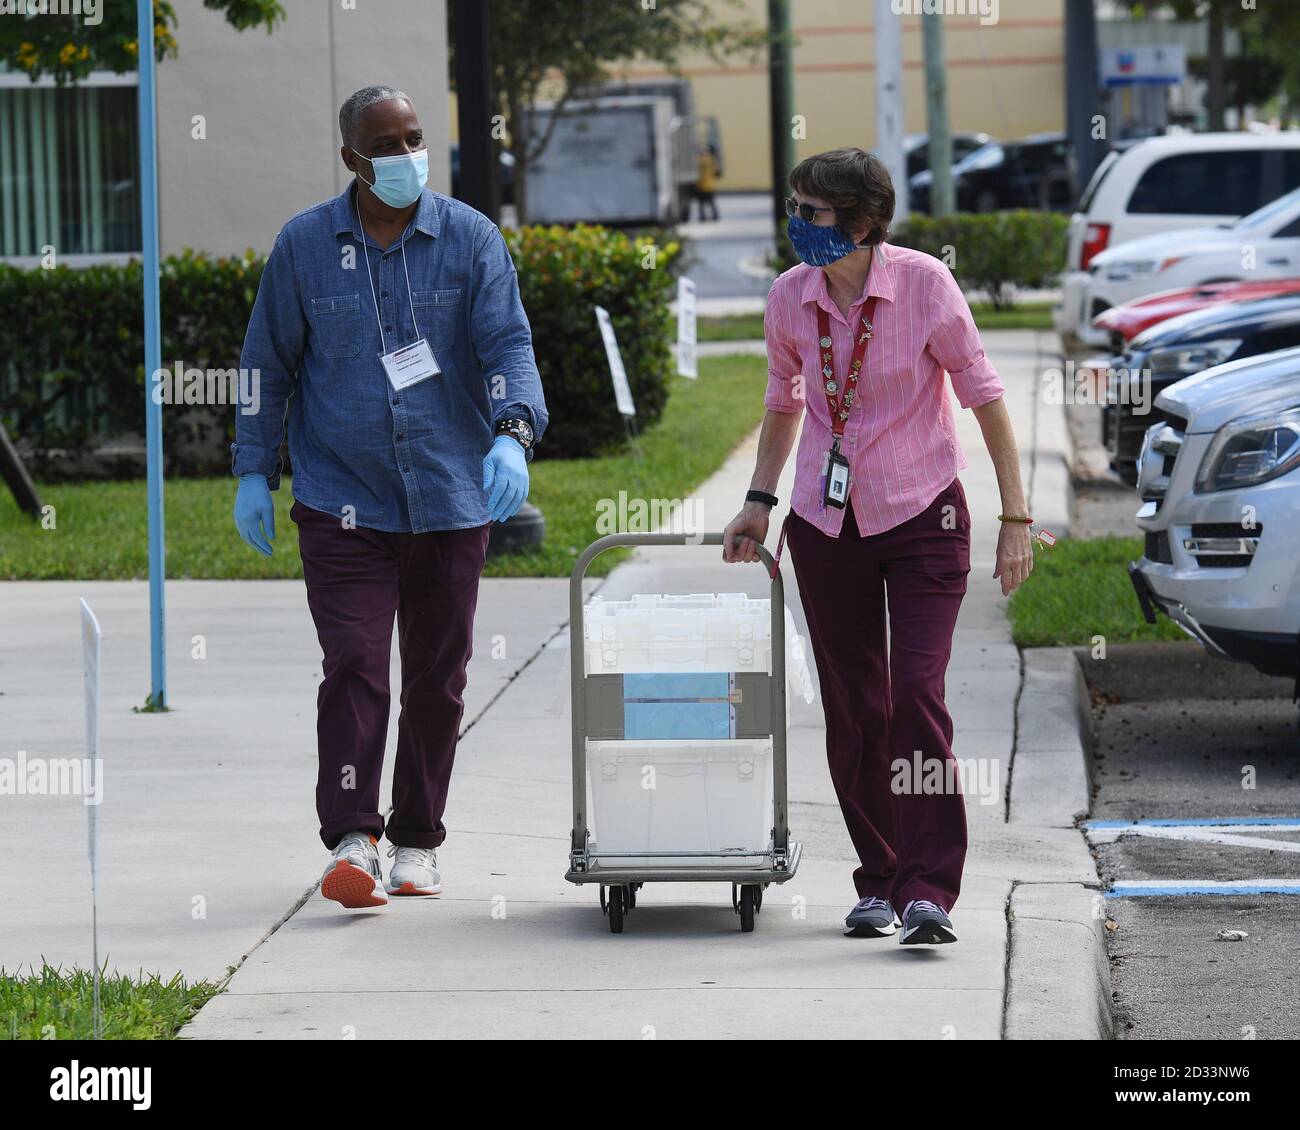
<point x="357" y="581"/>
<point x="882" y="690"/>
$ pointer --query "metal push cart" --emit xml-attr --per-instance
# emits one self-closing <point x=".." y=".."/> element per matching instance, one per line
<point x="619" y="883"/>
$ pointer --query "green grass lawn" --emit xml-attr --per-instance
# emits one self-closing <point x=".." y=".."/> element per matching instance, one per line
<point x="1024" y="316"/>
<point x="1080" y="589"/>
<point x="54" y="1005"/>
<point x="100" y="530"/>
<point x="730" y="327"/>
<point x="749" y="327"/>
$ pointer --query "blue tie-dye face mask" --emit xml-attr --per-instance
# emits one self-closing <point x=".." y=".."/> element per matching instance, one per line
<point x="818" y="246"/>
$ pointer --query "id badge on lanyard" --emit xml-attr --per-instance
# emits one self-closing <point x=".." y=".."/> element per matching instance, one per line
<point x="835" y="467"/>
<point x="835" y="479"/>
<point x="408" y="364"/>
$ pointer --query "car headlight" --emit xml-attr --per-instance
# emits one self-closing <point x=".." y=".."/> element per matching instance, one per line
<point x="1193" y="358"/>
<point x="1251" y="450"/>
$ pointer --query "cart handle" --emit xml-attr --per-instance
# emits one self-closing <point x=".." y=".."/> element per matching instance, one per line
<point x="578" y="673"/>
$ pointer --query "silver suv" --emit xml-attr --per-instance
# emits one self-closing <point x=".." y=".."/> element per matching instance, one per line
<point x="1221" y="511"/>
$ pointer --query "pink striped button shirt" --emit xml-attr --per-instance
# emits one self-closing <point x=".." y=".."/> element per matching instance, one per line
<point x="900" y="438"/>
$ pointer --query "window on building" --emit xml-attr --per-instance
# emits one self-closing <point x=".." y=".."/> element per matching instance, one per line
<point x="68" y="168"/>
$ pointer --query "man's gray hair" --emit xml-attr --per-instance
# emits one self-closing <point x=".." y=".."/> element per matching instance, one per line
<point x="356" y="105"/>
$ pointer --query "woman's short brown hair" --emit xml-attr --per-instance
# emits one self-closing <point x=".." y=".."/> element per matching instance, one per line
<point x="855" y="183"/>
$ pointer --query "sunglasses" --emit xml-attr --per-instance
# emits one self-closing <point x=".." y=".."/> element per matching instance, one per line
<point x="805" y="211"/>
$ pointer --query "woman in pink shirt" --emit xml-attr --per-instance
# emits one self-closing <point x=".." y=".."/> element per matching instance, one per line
<point x="860" y="335"/>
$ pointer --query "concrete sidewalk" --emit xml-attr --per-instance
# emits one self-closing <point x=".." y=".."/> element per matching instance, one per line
<point x="214" y="803"/>
<point x="208" y="811"/>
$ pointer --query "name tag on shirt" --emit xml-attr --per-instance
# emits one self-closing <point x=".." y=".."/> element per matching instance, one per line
<point x="410" y="364"/>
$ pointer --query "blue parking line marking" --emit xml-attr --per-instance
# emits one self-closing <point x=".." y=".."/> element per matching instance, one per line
<point x="1174" y="887"/>
<point x="1206" y="822"/>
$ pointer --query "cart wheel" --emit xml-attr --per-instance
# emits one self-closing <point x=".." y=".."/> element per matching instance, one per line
<point x="615" y="910"/>
<point x="629" y="897"/>
<point x="746" y="909"/>
<point x="758" y="897"/>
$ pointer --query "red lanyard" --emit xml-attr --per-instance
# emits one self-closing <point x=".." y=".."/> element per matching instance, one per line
<point x="840" y="396"/>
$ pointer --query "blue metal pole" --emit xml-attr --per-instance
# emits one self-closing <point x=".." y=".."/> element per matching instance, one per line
<point x="152" y="348"/>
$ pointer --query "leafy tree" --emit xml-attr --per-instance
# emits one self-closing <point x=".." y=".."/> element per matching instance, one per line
<point x="1253" y="79"/>
<point x="67" y="48"/>
<point x="579" y="41"/>
<point x="1261" y="22"/>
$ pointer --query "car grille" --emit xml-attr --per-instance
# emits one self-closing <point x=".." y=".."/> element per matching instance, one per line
<point x="1156" y="462"/>
<point x="1212" y="545"/>
<point x="1223" y="545"/>
<point x="1157" y="548"/>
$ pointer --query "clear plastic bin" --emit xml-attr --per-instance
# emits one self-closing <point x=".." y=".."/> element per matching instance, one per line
<point x="652" y="633"/>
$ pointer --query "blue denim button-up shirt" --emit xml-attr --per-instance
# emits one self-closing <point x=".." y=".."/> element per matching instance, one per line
<point x="408" y="461"/>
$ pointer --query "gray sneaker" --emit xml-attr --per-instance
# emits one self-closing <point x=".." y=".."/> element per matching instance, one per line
<point x="924" y="924"/>
<point x="354" y="877"/>
<point x="415" y="871"/>
<point x="871" y="918"/>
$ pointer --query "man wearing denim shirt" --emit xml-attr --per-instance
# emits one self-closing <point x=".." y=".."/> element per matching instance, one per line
<point x="405" y="361"/>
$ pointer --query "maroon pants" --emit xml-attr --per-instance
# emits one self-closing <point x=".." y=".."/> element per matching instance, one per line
<point x="357" y="580"/>
<point x="882" y="693"/>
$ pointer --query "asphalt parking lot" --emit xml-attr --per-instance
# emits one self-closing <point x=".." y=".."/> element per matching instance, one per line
<point x="1204" y="755"/>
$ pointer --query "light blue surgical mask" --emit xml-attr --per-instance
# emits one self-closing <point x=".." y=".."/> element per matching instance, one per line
<point x="399" y="180"/>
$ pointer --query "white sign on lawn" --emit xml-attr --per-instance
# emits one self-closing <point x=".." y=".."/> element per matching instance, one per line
<point x="687" y="365"/>
<point x="90" y="640"/>
<point x="618" y="374"/>
<point x="90" y="637"/>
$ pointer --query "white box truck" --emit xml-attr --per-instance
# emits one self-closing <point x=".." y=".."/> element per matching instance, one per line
<point x="610" y="160"/>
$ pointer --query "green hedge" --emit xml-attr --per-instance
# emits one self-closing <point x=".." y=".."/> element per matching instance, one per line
<point x="72" y="344"/>
<point x="563" y="273"/>
<point x="999" y="253"/>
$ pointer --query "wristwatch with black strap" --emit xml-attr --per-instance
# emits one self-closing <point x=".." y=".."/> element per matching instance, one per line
<point x="517" y="429"/>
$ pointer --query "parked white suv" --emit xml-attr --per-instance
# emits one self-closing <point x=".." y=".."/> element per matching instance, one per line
<point x="1263" y="245"/>
<point x="1166" y="184"/>
<point x="1221" y="511"/>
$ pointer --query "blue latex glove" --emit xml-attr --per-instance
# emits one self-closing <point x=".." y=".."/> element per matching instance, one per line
<point x="505" y="478"/>
<point x="255" y="512"/>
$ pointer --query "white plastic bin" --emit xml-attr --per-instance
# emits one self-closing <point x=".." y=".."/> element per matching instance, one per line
<point x="707" y="796"/>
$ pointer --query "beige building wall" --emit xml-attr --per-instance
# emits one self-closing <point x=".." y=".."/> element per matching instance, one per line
<point x="270" y="104"/>
<point x="1007" y="79"/>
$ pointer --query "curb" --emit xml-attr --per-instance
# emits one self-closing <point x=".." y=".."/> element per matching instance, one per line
<point x="1058" y="972"/>
<point x="1058" y="969"/>
<point x="1049" y="777"/>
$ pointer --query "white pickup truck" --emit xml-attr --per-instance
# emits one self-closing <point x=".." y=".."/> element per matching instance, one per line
<point x="1221" y="511"/>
